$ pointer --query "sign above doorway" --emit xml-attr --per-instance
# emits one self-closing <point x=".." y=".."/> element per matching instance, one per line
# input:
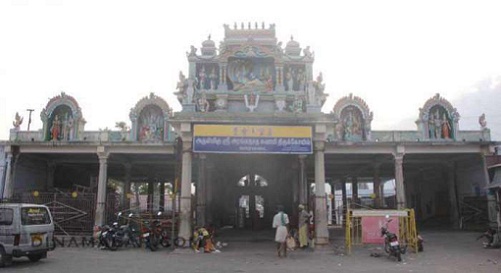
<point x="212" y="138"/>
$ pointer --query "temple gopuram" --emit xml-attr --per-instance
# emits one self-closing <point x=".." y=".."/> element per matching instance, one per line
<point x="250" y="136"/>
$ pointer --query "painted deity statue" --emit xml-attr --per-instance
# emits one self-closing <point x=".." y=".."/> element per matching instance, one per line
<point x="213" y="79"/>
<point x="289" y="79"/>
<point x="203" y="103"/>
<point x="18" y="120"/>
<point x="251" y="101"/>
<point x="202" y="78"/>
<point x="446" y="127"/>
<point x="55" y="129"/>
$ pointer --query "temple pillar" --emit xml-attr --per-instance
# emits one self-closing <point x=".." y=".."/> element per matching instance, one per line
<point x="223" y="86"/>
<point x="51" y="171"/>
<point x="303" y="190"/>
<point x="151" y="195"/>
<point x="451" y="183"/>
<point x="201" y="190"/>
<point x="209" y="188"/>
<point x="354" y="192"/>
<point x="185" y="208"/>
<point x="133" y="128"/>
<point x="100" y="217"/>
<point x="125" y="196"/>
<point x="399" y="181"/>
<point x="161" y="193"/>
<point x="2" y="174"/>
<point x="279" y="82"/>
<point x="7" y="188"/>
<point x="321" y="232"/>
<point x="344" y="198"/>
<point x="377" y="186"/>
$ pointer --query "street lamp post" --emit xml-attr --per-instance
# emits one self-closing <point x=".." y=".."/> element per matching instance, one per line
<point x="29" y="117"/>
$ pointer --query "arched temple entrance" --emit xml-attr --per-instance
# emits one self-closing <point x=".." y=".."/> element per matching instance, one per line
<point x="244" y="190"/>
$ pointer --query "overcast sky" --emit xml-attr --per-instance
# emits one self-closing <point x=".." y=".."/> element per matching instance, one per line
<point x="109" y="54"/>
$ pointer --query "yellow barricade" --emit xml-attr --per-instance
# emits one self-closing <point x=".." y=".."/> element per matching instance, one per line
<point x="407" y="226"/>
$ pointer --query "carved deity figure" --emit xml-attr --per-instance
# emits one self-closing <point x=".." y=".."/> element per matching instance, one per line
<point x="297" y="105"/>
<point x="18" y="120"/>
<point x="289" y="79"/>
<point x="301" y="80"/>
<point x="446" y="127"/>
<point x="251" y="101"/>
<point x="482" y="121"/>
<point x="203" y="103"/>
<point x="307" y="52"/>
<point x="182" y="84"/>
<point x="438" y="125"/>
<point x="202" y="78"/>
<point x="213" y="79"/>
<point x="269" y="84"/>
<point x="193" y="51"/>
<point x="55" y="129"/>
<point x="431" y="127"/>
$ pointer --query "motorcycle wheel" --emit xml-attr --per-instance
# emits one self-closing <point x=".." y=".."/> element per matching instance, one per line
<point x="180" y="241"/>
<point x="111" y="244"/>
<point x="165" y="242"/>
<point x="399" y="256"/>
<point x="153" y="244"/>
<point x="387" y="247"/>
<point x="135" y="241"/>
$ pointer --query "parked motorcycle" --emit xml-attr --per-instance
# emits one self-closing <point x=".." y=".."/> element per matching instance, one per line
<point x="391" y="244"/>
<point x="124" y="235"/>
<point x="106" y="237"/>
<point x="152" y="234"/>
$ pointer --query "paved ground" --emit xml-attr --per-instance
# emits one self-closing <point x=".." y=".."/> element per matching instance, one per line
<point x="444" y="252"/>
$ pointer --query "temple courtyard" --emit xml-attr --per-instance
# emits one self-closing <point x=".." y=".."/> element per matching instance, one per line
<point x="444" y="251"/>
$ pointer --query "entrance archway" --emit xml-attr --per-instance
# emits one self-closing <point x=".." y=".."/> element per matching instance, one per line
<point x="251" y="201"/>
<point x="244" y="190"/>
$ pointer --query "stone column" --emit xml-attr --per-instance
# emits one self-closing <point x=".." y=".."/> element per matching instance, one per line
<point x="451" y="183"/>
<point x="354" y="192"/>
<point x="7" y="188"/>
<point x="185" y="209"/>
<point x="125" y="197"/>
<point x="321" y="232"/>
<point x="209" y="187"/>
<point x="151" y="195"/>
<point x="2" y="174"/>
<point x="161" y="195"/>
<point x="100" y="217"/>
<point x="399" y="181"/>
<point x="279" y="81"/>
<point x="201" y="191"/>
<point x="377" y="186"/>
<point x="344" y="198"/>
<point x="303" y="188"/>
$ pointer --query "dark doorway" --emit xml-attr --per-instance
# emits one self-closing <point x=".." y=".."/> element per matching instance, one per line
<point x="251" y="202"/>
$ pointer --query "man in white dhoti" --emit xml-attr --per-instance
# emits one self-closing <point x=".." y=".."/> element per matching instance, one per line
<point x="281" y="222"/>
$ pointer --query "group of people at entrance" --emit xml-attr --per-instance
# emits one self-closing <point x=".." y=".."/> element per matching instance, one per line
<point x="284" y="236"/>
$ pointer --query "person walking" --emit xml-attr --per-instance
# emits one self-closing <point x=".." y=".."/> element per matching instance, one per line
<point x="304" y="220"/>
<point x="281" y="222"/>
